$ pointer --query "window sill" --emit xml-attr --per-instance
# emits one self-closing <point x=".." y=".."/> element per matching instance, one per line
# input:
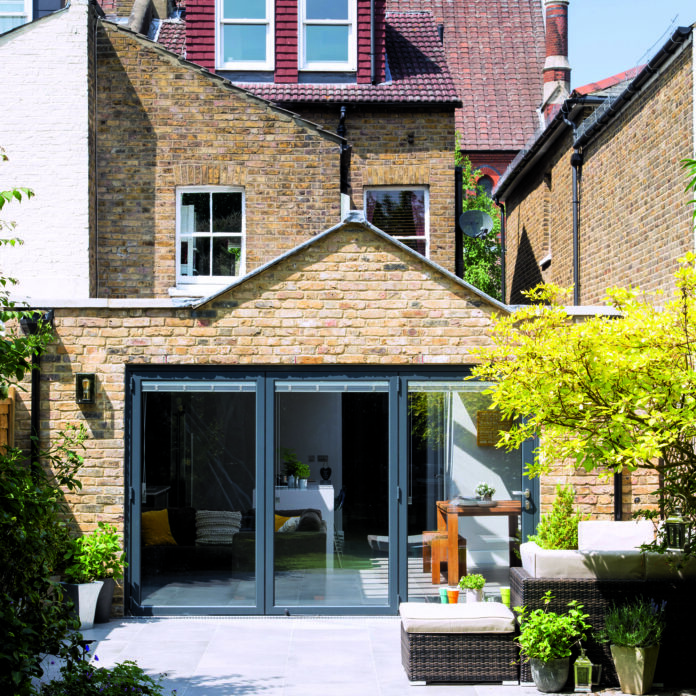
<point x="200" y="289"/>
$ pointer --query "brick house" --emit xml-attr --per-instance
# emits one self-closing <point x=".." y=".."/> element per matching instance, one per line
<point x="218" y="298"/>
<point x="597" y="199"/>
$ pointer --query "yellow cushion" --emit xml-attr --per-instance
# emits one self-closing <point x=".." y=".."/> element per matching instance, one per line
<point x="280" y="521"/>
<point x="155" y="529"/>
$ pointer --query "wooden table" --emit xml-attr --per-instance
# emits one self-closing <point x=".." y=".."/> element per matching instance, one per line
<point x="448" y="514"/>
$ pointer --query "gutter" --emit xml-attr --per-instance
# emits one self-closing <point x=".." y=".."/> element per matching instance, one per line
<point x="602" y="117"/>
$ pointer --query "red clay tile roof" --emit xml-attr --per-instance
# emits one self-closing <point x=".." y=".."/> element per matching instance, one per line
<point x="172" y="35"/>
<point x="607" y="83"/>
<point x="417" y="64"/>
<point x="495" y="50"/>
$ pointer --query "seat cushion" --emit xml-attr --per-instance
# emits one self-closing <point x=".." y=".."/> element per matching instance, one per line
<point x="470" y="617"/>
<point x="608" y="535"/>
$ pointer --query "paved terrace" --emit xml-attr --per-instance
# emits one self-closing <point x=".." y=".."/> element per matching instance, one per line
<point x="279" y="656"/>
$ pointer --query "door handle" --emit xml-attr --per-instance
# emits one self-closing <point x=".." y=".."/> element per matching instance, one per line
<point x="527" y="495"/>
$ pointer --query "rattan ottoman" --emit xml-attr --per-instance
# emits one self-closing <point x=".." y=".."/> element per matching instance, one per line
<point x="470" y="642"/>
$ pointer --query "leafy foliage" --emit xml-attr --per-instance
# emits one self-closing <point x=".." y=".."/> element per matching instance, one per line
<point x="637" y="625"/>
<point x="482" y="254"/>
<point x="690" y="166"/>
<point x="546" y="635"/>
<point x="609" y="393"/>
<point x="33" y="617"/>
<point x="474" y="581"/>
<point x="558" y="529"/>
<point x="94" y="556"/>
<point x="82" y="678"/>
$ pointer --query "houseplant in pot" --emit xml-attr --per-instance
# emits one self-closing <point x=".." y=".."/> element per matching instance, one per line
<point x="472" y="585"/>
<point x="290" y="465"/>
<point x="484" y="491"/>
<point x="302" y="473"/>
<point x="89" y="560"/>
<point x="634" y="632"/>
<point x="546" y="640"/>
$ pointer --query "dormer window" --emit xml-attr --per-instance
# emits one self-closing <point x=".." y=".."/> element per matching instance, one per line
<point x="246" y="34"/>
<point x="327" y="35"/>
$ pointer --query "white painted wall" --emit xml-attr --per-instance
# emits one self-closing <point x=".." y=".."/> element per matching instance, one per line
<point x="44" y="131"/>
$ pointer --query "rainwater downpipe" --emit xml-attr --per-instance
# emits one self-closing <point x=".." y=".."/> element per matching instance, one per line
<point x="373" y="78"/>
<point x="576" y="163"/>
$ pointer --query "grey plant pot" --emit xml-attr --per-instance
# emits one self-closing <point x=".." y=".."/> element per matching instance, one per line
<point x="551" y="676"/>
<point x="635" y="667"/>
<point x="84" y="596"/>
<point x="104" y="601"/>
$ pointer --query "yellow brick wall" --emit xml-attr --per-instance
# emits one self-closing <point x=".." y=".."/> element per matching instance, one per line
<point x="634" y="217"/>
<point x="161" y="125"/>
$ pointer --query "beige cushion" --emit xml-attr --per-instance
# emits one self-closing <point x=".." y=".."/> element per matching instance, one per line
<point x="658" y="567"/>
<point x="470" y="617"/>
<point x="606" y="535"/>
<point x="546" y="563"/>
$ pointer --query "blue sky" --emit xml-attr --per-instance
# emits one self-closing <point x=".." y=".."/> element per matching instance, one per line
<point x="606" y="37"/>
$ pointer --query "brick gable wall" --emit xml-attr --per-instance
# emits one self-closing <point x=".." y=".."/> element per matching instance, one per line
<point x="163" y="125"/>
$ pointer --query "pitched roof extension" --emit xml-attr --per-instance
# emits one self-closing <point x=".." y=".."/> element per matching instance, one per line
<point x="495" y="50"/>
<point x="418" y="71"/>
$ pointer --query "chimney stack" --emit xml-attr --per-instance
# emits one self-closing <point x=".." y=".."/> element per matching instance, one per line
<point x="556" y="67"/>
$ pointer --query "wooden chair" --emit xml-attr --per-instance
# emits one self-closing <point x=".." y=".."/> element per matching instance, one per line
<point x="435" y="554"/>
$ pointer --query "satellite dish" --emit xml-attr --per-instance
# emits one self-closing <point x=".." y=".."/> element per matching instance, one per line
<point x="475" y="223"/>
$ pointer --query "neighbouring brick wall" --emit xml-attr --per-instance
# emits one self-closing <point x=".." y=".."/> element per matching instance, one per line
<point x="402" y="147"/>
<point x="634" y="219"/>
<point x="163" y="124"/>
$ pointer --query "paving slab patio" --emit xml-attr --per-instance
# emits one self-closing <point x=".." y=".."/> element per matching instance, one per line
<point x="276" y="656"/>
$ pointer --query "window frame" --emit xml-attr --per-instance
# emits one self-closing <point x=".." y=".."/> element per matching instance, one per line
<point x="188" y="280"/>
<point x="351" y="22"/>
<point x="26" y="14"/>
<point x="404" y="239"/>
<point x="221" y="22"/>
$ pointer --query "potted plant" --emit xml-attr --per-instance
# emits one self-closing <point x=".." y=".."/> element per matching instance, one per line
<point x="302" y="473"/>
<point x="558" y="529"/>
<point x="484" y="491"/>
<point x="290" y="464"/>
<point x="634" y="632"/>
<point x="89" y="561"/>
<point x="472" y="585"/>
<point x="546" y="640"/>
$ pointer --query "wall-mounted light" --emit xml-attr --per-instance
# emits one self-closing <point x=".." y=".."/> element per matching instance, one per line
<point x="84" y="388"/>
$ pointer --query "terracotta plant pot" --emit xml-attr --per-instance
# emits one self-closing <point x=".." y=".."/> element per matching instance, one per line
<point x="635" y="667"/>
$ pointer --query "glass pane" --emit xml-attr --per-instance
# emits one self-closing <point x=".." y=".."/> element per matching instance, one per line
<point x="11" y="6"/>
<point x="244" y="42"/>
<point x="7" y="23"/>
<point x="244" y="9"/>
<point x="198" y="477"/>
<point x="227" y="212"/>
<point x="451" y="450"/>
<point x="401" y="213"/>
<point x="201" y="256"/>
<point x="195" y="212"/>
<point x="227" y="254"/>
<point x="326" y="44"/>
<point x="327" y="9"/>
<point x="415" y="244"/>
<point x="337" y="557"/>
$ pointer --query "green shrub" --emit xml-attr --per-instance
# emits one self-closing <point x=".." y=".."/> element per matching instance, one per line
<point x="636" y="625"/>
<point x="558" y="529"/>
<point x="33" y="617"/>
<point x="546" y="635"/>
<point x="82" y="678"/>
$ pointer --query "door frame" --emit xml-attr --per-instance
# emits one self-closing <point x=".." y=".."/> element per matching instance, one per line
<point x="265" y="378"/>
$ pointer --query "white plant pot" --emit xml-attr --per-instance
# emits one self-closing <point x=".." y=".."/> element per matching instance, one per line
<point x="474" y="595"/>
<point x="84" y="596"/>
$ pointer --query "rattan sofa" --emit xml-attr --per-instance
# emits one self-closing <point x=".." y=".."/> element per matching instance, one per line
<point x="611" y="576"/>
